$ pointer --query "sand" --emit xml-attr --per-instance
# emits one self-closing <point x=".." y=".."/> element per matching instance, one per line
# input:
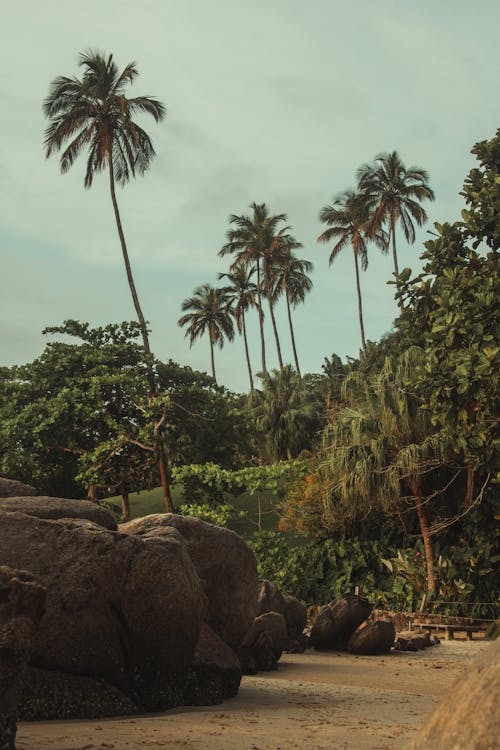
<point x="314" y="701"/>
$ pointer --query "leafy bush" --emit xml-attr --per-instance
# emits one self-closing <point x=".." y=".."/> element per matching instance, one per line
<point x="317" y="572"/>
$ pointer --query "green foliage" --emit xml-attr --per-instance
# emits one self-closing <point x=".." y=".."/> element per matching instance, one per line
<point x="317" y="572"/>
<point x="206" y="422"/>
<point x="213" y="483"/>
<point x="287" y="415"/>
<point x="220" y="515"/>
<point x="482" y="195"/>
<point x="452" y="313"/>
<point x="81" y="414"/>
<point x="55" y="411"/>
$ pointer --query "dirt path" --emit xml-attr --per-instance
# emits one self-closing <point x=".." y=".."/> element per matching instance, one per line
<point x="315" y="701"/>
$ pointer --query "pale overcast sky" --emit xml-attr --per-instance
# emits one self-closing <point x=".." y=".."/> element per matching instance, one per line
<point x="275" y="101"/>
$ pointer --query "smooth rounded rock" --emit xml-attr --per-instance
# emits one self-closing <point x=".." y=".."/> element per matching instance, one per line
<point x="53" y="508"/>
<point x="376" y="637"/>
<point x="119" y="608"/>
<point x="223" y="561"/>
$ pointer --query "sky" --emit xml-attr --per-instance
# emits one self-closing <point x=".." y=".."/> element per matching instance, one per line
<point x="275" y="101"/>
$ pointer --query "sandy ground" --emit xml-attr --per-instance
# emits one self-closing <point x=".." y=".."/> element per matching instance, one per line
<point x="314" y="701"/>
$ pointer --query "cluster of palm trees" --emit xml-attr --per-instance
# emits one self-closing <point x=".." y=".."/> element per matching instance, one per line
<point x="388" y="194"/>
<point x="264" y="268"/>
<point x="93" y="114"/>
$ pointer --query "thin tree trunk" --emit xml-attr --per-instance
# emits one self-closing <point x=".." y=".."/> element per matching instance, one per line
<point x="243" y="325"/>
<point x="275" y="329"/>
<point x="426" y="536"/>
<point x="269" y="291"/>
<point x="261" y="320"/>
<point x="470" y="485"/>
<point x="130" y="278"/>
<point x="140" y="317"/>
<point x="212" y="359"/>
<point x="360" y="308"/>
<point x="394" y="253"/>
<point x="92" y="493"/>
<point x="125" y="502"/>
<point x="167" y="497"/>
<point x="291" y="332"/>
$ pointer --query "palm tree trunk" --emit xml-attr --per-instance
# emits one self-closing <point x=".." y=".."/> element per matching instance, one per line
<point x="130" y="278"/>
<point x="243" y="325"/>
<point x="261" y="320"/>
<point x="212" y="359"/>
<point x="426" y="536"/>
<point x="394" y="253"/>
<point x="360" y="307"/>
<point x="291" y="332"/>
<point x="269" y="291"/>
<point x="142" y="322"/>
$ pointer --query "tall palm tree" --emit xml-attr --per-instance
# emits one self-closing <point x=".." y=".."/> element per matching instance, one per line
<point x="92" y="113"/>
<point x="394" y="194"/>
<point x="254" y="241"/>
<point x="292" y="281"/>
<point x="242" y="290"/>
<point x="348" y="219"/>
<point x="210" y="313"/>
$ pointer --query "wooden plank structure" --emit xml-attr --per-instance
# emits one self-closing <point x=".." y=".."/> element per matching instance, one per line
<point x="450" y="629"/>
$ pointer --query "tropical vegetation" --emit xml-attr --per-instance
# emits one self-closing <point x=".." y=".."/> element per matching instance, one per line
<point x="380" y="472"/>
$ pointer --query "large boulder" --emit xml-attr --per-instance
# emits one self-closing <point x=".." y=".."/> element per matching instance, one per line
<point x="54" y="508"/>
<point x="49" y="695"/>
<point x="13" y="488"/>
<point x="225" y="564"/>
<point x="270" y="598"/>
<point x="376" y="638"/>
<point x="264" y="643"/>
<point x="336" y="622"/>
<point x="119" y="608"/>
<point x="22" y="602"/>
<point x="467" y="717"/>
<point x="215" y="673"/>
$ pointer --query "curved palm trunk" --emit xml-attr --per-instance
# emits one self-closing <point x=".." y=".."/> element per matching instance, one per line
<point x="261" y="320"/>
<point x="144" y="332"/>
<point x="273" y="319"/>
<point x="360" y="307"/>
<point x="244" y="328"/>
<point x="130" y="278"/>
<point x="292" y="332"/>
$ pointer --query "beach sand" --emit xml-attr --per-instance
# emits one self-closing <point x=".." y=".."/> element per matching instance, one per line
<point x="314" y="701"/>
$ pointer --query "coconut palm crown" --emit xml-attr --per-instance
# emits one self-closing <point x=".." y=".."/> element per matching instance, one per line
<point x="348" y="222"/>
<point x="92" y="113"/>
<point x="210" y="312"/>
<point x="394" y="194"/>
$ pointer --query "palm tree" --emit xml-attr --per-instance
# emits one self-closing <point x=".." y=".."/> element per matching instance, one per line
<point x="292" y="281"/>
<point x="286" y="414"/>
<point x="394" y="194"/>
<point x="210" y="312"/>
<point x="93" y="113"/>
<point x="256" y="241"/>
<point x="242" y="290"/>
<point x="348" y="220"/>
